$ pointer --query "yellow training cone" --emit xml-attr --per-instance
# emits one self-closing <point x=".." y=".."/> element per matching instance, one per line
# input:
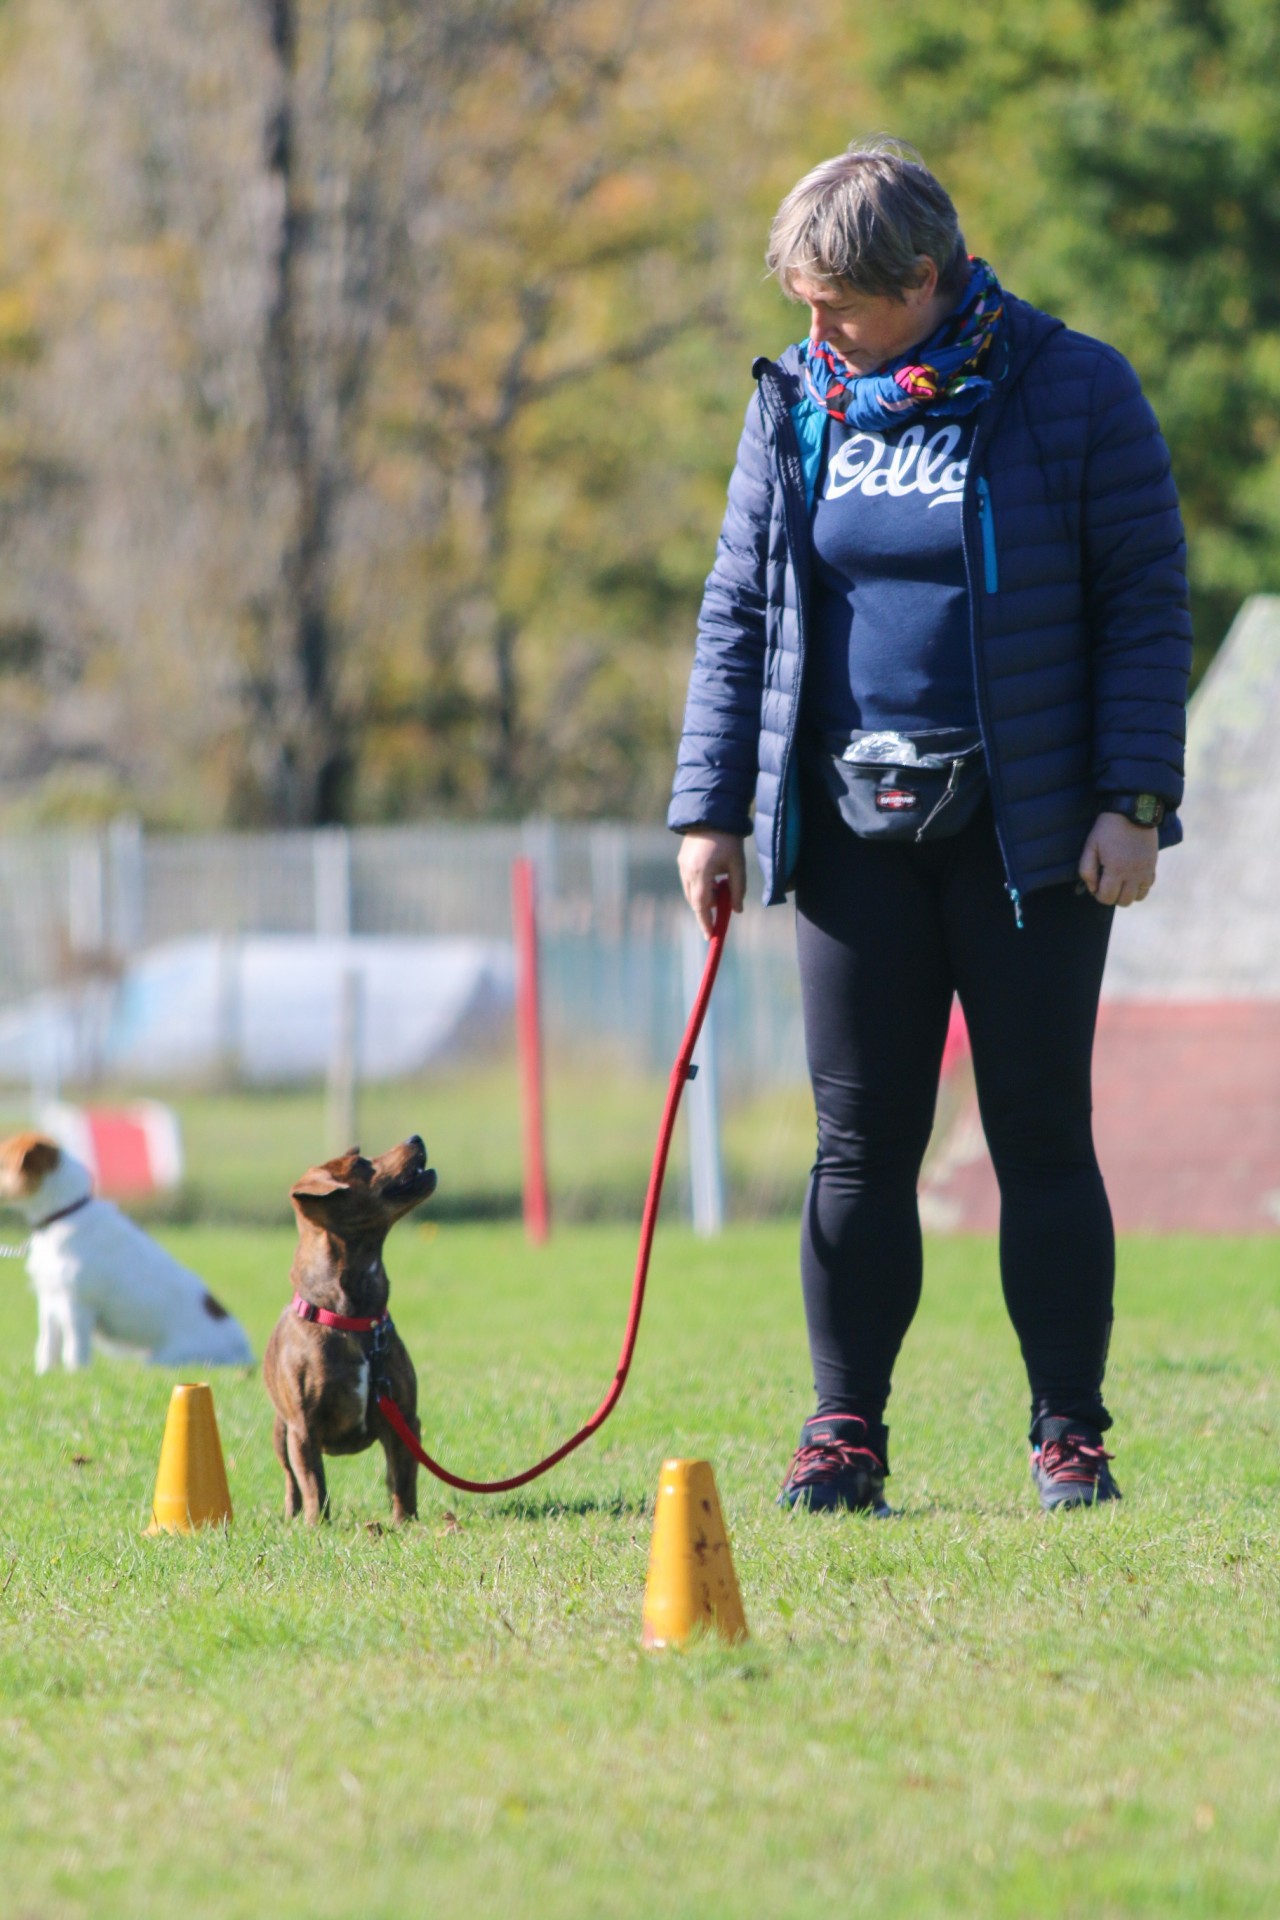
<point x="191" y="1485"/>
<point x="691" y="1586"/>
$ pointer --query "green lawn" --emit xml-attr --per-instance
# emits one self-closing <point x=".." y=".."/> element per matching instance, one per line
<point x="967" y="1711"/>
<point x="243" y="1149"/>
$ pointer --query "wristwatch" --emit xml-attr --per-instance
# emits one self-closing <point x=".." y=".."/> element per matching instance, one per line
<point x="1144" y="809"/>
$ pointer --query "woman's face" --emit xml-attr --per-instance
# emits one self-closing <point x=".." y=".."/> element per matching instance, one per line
<point x="866" y="329"/>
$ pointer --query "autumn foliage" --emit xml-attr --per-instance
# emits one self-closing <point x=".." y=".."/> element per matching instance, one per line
<point x="370" y="371"/>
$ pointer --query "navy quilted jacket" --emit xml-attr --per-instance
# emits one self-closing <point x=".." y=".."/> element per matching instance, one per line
<point x="1078" y="608"/>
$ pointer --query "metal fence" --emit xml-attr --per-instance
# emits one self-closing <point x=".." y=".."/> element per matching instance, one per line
<point x="78" y="909"/>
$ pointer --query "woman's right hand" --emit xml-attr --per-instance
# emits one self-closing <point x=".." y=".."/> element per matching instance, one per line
<point x="705" y="857"/>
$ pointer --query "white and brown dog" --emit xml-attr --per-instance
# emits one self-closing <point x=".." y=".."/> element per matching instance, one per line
<point x="99" y="1279"/>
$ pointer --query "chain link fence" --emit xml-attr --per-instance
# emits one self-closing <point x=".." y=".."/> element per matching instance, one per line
<point x="207" y="969"/>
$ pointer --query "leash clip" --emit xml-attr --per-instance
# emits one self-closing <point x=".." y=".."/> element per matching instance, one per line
<point x="379" y="1340"/>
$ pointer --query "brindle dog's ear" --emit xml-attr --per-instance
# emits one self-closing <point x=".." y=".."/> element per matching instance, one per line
<point x="318" y="1185"/>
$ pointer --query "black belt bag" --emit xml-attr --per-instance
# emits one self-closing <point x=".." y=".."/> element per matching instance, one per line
<point x="905" y="786"/>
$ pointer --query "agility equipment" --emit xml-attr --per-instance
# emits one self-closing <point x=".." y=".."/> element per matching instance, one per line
<point x="682" y="1071"/>
<point x="130" y="1150"/>
<point x="191" y="1484"/>
<point x="692" y="1587"/>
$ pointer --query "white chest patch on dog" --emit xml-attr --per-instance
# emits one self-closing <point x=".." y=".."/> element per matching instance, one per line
<point x="362" y="1392"/>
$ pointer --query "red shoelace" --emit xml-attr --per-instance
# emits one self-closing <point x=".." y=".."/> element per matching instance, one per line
<point x="824" y="1459"/>
<point x="1073" y="1459"/>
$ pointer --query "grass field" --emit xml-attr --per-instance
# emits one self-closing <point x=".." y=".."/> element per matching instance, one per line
<point x="243" y="1148"/>
<point x="968" y="1711"/>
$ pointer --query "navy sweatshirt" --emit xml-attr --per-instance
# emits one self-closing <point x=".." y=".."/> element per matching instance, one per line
<point x="889" y="632"/>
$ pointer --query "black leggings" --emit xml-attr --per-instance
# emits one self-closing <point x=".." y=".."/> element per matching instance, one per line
<point x="886" y="933"/>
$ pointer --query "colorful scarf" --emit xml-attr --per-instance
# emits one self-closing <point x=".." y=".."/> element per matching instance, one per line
<point x="941" y="371"/>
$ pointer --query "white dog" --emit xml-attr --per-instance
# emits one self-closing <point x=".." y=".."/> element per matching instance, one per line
<point x="99" y="1279"/>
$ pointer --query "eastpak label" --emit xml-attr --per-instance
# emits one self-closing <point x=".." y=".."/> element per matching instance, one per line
<point x="896" y="799"/>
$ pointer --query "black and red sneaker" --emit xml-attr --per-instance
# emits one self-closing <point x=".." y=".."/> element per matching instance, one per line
<point x="836" y="1465"/>
<point x="1069" y="1465"/>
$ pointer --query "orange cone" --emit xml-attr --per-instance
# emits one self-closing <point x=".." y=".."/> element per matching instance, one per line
<point x="692" y="1586"/>
<point x="191" y="1485"/>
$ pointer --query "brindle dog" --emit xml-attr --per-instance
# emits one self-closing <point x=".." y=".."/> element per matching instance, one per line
<point x="323" y="1382"/>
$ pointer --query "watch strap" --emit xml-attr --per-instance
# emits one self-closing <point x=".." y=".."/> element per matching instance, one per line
<point x="1144" y="809"/>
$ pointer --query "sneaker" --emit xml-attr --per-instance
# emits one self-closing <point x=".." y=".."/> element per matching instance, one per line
<point x="836" y="1466"/>
<point x="1069" y="1466"/>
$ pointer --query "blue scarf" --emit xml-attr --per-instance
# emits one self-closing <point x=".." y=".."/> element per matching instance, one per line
<point x="941" y="371"/>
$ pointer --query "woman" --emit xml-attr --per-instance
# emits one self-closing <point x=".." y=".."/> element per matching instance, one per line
<point x="945" y="648"/>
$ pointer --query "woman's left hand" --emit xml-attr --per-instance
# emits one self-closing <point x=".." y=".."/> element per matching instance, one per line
<point x="1118" y="865"/>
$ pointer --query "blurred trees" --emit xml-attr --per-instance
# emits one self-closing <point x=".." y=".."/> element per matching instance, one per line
<point x="370" y="371"/>
<point x="1120" y="162"/>
<point x="379" y="362"/>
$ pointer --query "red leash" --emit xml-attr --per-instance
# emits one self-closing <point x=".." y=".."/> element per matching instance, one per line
<point x="679" y="1074"/>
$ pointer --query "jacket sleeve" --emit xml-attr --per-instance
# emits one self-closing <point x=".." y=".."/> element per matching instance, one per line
<point x="1136" y="587"/>
<point x="719" y="744"/>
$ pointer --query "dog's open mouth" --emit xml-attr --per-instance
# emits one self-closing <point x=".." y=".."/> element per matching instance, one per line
<point x="419" y="1183"/>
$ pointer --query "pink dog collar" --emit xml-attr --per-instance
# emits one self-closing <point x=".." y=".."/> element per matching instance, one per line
<point x="340" y="1322"/>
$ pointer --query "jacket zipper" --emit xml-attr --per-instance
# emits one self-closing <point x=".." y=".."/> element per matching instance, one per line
<point x="986" y="525"/>
<point x="987" y="522"/>
<point x="792" y="490"/>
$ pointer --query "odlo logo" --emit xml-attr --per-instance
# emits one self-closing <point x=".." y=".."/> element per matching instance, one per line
<point x="915" y="465"/>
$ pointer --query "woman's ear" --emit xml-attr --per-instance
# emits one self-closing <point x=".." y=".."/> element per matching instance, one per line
<point x="927" y="285"/>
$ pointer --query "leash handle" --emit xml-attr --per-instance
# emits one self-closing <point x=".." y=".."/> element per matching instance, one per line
<point x="680" y="1074"/>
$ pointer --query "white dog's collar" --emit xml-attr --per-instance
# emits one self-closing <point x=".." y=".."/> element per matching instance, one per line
<point x="10" y="1252"/>
<point x="38" y="1225"/>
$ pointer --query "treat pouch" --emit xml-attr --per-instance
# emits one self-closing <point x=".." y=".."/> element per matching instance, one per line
<point x="906" y="786"/>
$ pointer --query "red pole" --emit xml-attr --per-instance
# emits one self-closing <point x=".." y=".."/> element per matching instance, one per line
<point x="537" y="1211"/>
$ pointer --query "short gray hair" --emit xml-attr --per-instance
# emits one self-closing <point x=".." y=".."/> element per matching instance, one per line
<point x="863" y="219"/>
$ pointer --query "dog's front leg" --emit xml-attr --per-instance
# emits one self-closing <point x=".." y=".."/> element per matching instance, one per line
<point x="49" y="1336"/>
<point x="292" y="1491"/>
<point x="77" y="1336"/>
<point x="402" y="1472"/>
<point x="307" y="1463"/>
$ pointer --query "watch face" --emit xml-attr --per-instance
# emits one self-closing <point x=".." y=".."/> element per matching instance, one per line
<point x="1145" y="809"/>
